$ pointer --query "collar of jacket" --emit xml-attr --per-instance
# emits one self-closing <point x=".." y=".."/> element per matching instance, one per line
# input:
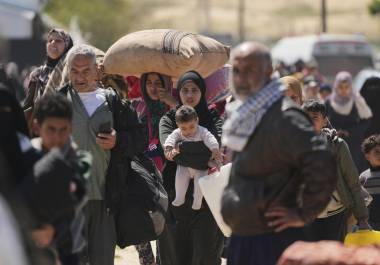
<point x="374" y="169"/>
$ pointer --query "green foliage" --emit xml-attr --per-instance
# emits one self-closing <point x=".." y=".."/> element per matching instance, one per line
<point x="374" y="7"/>
<point x="104" y="21"/>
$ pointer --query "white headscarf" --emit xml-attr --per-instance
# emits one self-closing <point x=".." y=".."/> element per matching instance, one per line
<point x="343" y="105"/>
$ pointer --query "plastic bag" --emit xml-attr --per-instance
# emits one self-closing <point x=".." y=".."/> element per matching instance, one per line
<point x="212" y="187"/>
<point x="362" y="238"/>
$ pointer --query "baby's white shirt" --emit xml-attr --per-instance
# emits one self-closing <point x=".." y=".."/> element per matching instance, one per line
<point x="202" y="135"/>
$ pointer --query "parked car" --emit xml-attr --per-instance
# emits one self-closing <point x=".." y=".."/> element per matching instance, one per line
<point x="333" y="53"/>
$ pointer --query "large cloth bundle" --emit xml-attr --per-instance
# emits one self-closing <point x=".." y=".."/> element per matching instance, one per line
<point x="169" y="52"/>
<point x="329" y="253"/>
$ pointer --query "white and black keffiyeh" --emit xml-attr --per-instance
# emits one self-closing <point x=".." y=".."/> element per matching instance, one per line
<point x="242" y="123"/>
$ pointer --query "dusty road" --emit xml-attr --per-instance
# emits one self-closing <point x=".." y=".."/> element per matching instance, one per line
<point x="129" y="256"/>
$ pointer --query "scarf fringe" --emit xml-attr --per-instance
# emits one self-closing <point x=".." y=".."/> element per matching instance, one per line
<point x="244" y="121"/>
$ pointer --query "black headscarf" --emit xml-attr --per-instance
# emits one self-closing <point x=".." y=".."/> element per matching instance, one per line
<point x="156" y="108"/>
<point x="371" y="93"/>
<point x="202" y="110"/>
<point x="4" y="79"/>
<point x="12" y="121"/>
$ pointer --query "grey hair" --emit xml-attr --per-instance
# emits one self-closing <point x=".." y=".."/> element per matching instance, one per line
<point x="82" y="49"/>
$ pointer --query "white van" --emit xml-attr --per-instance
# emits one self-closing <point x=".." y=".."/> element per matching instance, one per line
<point x="333" y="53"/>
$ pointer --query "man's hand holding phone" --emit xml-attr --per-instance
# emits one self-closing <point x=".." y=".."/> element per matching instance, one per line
<point x="106" y="136"/>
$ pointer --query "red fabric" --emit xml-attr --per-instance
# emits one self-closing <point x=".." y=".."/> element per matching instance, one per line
<point x="134" y="90"/>
<point x="219" y="106"/>
<point x="217" y="84"/>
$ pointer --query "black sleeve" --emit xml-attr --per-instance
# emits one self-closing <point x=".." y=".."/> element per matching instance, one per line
<point x="316" y="163"/>
<point x="19" y="117"/>
<point x="131" y="137"/>
<point x="166" y="127"/>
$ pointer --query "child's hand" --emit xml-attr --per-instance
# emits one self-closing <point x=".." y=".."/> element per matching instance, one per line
<point x="217" y="156"/>
<point x="174" y="152"/>
<point x="170" y="153"/>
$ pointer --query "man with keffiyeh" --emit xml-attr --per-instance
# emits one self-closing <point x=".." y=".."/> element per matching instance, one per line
<point x="282" y="173"/>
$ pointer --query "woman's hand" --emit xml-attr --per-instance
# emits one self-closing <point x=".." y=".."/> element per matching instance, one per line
<point x="166" y="97"/>
<point x="217" y="156"/>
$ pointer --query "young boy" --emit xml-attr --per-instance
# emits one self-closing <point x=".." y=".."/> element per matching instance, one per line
<point x="53" y="118"/>
<point x="189" y="130"/>
<point x="370" y="178"/>
<point x="331" y="223"/>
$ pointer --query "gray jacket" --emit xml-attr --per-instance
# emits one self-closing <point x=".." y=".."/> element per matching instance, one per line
<point x="85" y="129"/>
<point x="348" y="186"/>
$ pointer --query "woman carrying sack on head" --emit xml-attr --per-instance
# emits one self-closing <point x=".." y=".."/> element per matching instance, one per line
<point x="156" y="100"/>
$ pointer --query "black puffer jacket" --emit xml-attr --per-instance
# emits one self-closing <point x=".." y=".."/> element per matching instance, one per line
<point x="131" y="140"/>
<point x="284" y="164"/>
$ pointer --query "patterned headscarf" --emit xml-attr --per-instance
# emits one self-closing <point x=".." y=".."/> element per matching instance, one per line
<point x="65" y="36"/>
<point x="51" y="63"/>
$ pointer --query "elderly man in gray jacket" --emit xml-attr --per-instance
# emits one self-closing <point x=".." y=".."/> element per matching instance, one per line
<point x="93" y="131"/>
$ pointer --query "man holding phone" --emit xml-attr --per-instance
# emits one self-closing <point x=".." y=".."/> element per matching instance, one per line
<point x="93" y="131"/>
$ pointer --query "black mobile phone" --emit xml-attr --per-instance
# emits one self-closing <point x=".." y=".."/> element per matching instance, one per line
<point x="105" y="128"/>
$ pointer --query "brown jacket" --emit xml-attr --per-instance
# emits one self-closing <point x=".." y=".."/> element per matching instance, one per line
<point x="284" y="164"/>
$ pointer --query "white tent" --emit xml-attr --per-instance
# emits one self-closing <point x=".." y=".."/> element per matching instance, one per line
<point x="16" y="18"/>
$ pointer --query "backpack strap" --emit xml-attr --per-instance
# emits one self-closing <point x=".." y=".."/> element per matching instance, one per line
<point x="110" y="98"/>
<point x="114" y="102"/>
<point x="64" y="90"/>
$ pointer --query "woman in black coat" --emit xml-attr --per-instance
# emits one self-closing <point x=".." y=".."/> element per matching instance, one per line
<point x="192" y="237"/>
<point x="370" y="91"/>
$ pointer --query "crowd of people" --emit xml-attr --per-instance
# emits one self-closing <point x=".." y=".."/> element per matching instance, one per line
<point x="305" y="158"/>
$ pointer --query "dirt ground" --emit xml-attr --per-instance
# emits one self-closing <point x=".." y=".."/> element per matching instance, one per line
<point x="129" y="256"/>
